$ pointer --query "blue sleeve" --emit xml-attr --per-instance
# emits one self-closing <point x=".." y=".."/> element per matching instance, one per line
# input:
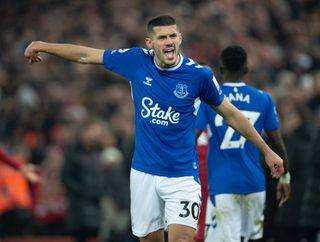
<point x="124" y="62"/>
<point x="201" y="119"/>
<point x="271" y="121"/>
<point x="210" y="90"/>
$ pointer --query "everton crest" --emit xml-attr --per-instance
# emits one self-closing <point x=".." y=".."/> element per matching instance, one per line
<point x="181" y="91"/>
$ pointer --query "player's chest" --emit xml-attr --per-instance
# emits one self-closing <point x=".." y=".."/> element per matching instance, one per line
<point x="171" y="88"/>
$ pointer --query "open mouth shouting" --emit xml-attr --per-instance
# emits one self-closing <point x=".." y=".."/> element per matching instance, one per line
<point x="170" y="53"/>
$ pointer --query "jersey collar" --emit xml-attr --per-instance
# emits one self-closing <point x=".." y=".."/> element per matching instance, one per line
<point x="234" y="84"/>
<point x="171" y="68"/>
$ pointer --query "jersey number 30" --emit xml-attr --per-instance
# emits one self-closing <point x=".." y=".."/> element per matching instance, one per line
<point x="227" y="142"/>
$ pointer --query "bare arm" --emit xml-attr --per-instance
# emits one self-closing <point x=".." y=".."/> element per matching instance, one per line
<point x="75" y="53"/>
<point x="277" y="144"/>
<point x="239" y="122"/>
<point x="283" y="186"/>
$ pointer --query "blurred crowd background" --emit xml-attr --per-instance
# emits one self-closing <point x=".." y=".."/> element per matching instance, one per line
<point x="76" y="121"/>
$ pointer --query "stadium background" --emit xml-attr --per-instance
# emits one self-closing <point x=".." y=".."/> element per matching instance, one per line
<point x="43" y="105"/>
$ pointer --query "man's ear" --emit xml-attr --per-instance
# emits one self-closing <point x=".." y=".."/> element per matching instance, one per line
<point x="149" y="43"/>
<point x="180" y="38"/>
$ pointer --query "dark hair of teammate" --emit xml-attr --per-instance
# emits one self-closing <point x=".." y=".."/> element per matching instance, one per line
<point x="234" y="61"/>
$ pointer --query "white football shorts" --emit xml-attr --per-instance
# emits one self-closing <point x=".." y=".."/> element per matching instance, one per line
<point x="235" y="215"/>
<point x="157" y="202"/>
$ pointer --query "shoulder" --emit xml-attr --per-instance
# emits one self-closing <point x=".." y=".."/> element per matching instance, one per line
<point x="265" y="97"/>
<point x="193" y="66"/>
<point x="125" y="61"/>
<point x="131" y="51"/>
<point x="258" y="92"/>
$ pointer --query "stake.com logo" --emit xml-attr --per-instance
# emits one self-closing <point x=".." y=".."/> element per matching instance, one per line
<point x="158" y="116"/>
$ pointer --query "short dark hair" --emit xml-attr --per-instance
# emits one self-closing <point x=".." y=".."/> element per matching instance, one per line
<point x="233" y="58"/>
<point x="163" y="20"/>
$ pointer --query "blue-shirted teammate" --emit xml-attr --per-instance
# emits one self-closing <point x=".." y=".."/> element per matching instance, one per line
<point x="236" y="178"/>
<point x="165" y="89"/>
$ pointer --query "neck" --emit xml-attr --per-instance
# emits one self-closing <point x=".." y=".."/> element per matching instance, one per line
<point x="231" y="78"/>
<point x="163" y="65"/>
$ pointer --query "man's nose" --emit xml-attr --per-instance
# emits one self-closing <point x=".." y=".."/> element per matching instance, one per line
<point x="169" y="41"/>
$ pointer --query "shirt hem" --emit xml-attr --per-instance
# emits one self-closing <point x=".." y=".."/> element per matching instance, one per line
<point x="239" y="191"/>
<point x="166" y="173"/>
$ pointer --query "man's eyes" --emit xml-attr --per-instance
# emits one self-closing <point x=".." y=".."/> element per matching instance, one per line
<point x="172" y="36"/>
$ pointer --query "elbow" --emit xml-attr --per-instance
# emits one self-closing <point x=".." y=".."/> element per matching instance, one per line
<point x="82" y="60"/>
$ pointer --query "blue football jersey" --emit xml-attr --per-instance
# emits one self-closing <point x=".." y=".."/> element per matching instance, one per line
<point x="233" y="161"/>
<point x="165" y="102"/>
